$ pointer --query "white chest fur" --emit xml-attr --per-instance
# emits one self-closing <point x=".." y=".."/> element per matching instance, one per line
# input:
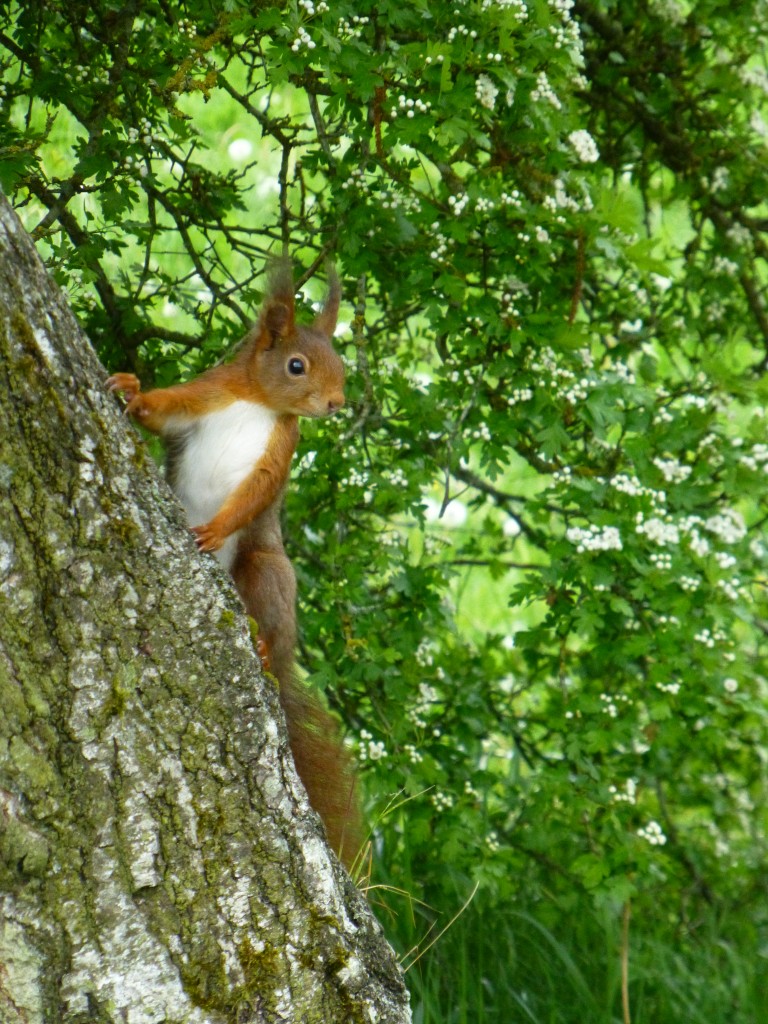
<point x="219" y="452"/>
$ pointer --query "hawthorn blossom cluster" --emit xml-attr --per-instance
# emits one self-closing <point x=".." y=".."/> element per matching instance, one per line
<point x="461" y="30"/>
<point x="671" y="688"/>
<point x="516" y="7"/>
<point x="519" y="395"/>
<point x="756" y="76"/>
<point x="567" y="33"/>
<point x="458" y="203"/>
<point x="756" y="459"/>
<point x="442" y="801"/>
<point x="410" y="107"/>
<point x="406" y="201"/>
<point x="356" y="478"/>
<point x="512" y="199"/>
<point x="310" y="7"/>
<point x="303" y="40"/>
<point x="627" y="795"/>
<point x="653" y="834"/>
<point x="739" y="235"/>
<point x="544" y="91"/>
<point x="414" y="755"/>
<point x="486" y="91"/>
<point x="370" y="749"/>
<point x="512" y="289"/>
<point x="722" y="265"/>
<point x="545" y="365"/>
<point x="356" y="179"/>
<point x="610" y="703"/>
<point x="630" y="485"/>
<point x="594" y="538"/>
<point x="578" y="391"/>
<point x="672" y="470"/>
<point x="584" y="146"/>
<point x="94" y="75"/>
<point x="482" y="433"/>
<point x="728" y="527"/>
<point x="492" y="842"/>
<point x="708" y="638"/>
<point x="143" y="132"/>
<point x="425" y="657"/>
<point x="352" y="28"/>
<point x="560" y="200"/>
<point x="427" y="698"/>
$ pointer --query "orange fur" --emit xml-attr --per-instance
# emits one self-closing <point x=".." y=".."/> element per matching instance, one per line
<point x="263" y="575"/>
<point x="155" y="409"/>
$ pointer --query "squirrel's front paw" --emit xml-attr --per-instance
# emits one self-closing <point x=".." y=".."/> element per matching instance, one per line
<point x="127" y="383"/>
<point x="140" y="406"/>
<point x="207" y="537"/>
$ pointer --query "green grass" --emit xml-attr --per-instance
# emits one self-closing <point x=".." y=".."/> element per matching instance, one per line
<point x="504" y="966"/>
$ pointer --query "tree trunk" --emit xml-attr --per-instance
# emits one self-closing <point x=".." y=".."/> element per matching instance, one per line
<point x="158" y="858"/>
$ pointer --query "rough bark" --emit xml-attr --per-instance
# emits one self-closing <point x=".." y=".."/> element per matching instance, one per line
<point x="158" y="859"/>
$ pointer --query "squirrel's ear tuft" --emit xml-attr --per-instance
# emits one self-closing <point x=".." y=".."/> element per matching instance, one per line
<point x="325" y="321"/>
<point x="277" y="316"/>
<point x="278" y="319"/>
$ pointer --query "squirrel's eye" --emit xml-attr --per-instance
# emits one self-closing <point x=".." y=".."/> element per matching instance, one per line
<point x="296" y="366"/>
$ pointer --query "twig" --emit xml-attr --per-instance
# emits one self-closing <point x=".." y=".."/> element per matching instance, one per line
<point x="223" y="295"/>
<point x="363" y="366"/>
<point x="269" y="126"/>
<point x="322" y="131"/>
<point x="282" y="179"/>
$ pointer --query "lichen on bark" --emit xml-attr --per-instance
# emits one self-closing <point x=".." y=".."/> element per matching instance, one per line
<point x="158" y="859"/>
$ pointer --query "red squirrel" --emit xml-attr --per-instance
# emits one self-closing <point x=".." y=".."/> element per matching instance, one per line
<point x="230" y="435"/>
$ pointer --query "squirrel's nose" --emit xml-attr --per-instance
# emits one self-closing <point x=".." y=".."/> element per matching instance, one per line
<point x="335" y="403"/>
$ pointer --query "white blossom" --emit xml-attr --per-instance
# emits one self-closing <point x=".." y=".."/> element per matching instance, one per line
<point x="584" y="146"/>
<point x="303" y="39"/>
<point x="722" y="265"/>
<point x="628" y="795"/>
<point x="517" y="7"/>
<point x="486" y="91"/>
<point x="671" y="688"/>
<point x="594" y="538"/>
<point x="672" y="470"/>
<point x="728" y="526"/>
<point x="653" y="834"/>
<point x="657" y="531"/>
<point x="544" y="91"/>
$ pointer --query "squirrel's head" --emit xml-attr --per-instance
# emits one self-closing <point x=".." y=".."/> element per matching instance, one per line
<point x="296" y="366"/>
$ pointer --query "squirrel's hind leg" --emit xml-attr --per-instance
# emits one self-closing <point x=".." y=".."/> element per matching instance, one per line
<point x="266" y="584"/>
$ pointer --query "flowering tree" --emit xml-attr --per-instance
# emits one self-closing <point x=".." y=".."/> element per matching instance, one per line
<point x="532" y="558"/>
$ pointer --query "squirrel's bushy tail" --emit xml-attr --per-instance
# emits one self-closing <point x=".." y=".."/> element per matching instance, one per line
<point x="324" y="766"/>
<point x="265" y="580"/>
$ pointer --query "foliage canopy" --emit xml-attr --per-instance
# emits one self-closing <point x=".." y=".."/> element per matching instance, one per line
<point x="531" y="558"/>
